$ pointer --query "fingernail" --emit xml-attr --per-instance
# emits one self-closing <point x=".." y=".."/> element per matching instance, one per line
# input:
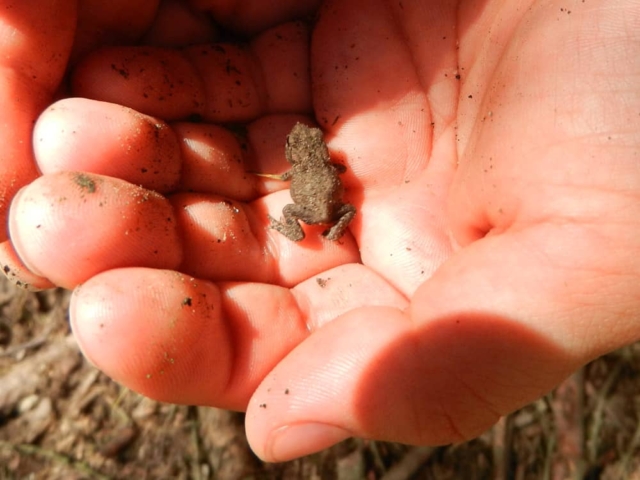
<point x="293" y="441"/>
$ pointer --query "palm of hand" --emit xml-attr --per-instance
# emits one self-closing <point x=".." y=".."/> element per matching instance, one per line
<point x="457" y="299"/>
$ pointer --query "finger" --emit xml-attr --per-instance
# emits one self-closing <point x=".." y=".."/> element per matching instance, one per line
<point x="185" y="340"/>
<point x="111" y="23"/>
<point x="77" y="134"/>
<point x="214" y="161"/>
<point x="34" y="48"/>
<point x="325" y="297"/>
<point x="225" y="240"/>
<point x="70" y="226"/>
<point x="177" y="25"/>
<point x="250" y="17"/>
<point x="18" y="273"/>
<point x="80" y="135"/>
<point x="218" y="82"/>
<point x="182" y="347"/>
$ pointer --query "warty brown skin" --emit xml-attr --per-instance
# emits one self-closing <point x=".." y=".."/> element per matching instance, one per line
<point x="316" y="188"/>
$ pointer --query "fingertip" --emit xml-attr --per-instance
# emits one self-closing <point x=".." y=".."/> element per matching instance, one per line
<point x="15" y="252"/>
<point x="158" y="332"/>
<point x="18" y="273"/>
<point x="294" y="441"/>
<point x="312" y="398"/>
<point x="77" y="134"/>
<point x="71" y="226"/>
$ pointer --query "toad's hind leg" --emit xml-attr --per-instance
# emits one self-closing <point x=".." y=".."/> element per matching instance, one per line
<point x="290" y="227"/>
<point x="345" y="214"/>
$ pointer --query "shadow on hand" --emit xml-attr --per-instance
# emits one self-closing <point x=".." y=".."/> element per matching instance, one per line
<point x="450" y="380"/>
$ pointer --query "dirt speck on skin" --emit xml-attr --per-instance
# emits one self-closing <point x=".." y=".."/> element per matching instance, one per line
<point x="85" y="182"/>
<point x="62" y="418"/>
<point x="122" y="71"/>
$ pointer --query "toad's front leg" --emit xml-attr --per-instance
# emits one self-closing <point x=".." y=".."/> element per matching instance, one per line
<point x="290" y="227"/>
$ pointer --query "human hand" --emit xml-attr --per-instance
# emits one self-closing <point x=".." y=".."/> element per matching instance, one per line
<point x="491" y="154"/>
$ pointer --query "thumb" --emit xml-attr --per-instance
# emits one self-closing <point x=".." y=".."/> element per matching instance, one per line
<point x="492" y="330"/>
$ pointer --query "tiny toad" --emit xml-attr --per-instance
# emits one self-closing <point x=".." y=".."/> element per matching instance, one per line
<point x="316" y="187"/>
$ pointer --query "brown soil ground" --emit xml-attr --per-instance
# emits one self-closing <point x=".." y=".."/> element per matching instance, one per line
<point x="62" y="419"/>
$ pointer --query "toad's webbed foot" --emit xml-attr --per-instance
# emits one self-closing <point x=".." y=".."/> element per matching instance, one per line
<point x="290" y="228"/>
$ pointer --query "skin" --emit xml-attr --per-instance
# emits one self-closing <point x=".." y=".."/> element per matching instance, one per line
<point x="492" y="151"/>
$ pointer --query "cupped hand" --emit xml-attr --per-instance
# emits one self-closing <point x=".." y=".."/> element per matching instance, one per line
<point x="492" y="153"/>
